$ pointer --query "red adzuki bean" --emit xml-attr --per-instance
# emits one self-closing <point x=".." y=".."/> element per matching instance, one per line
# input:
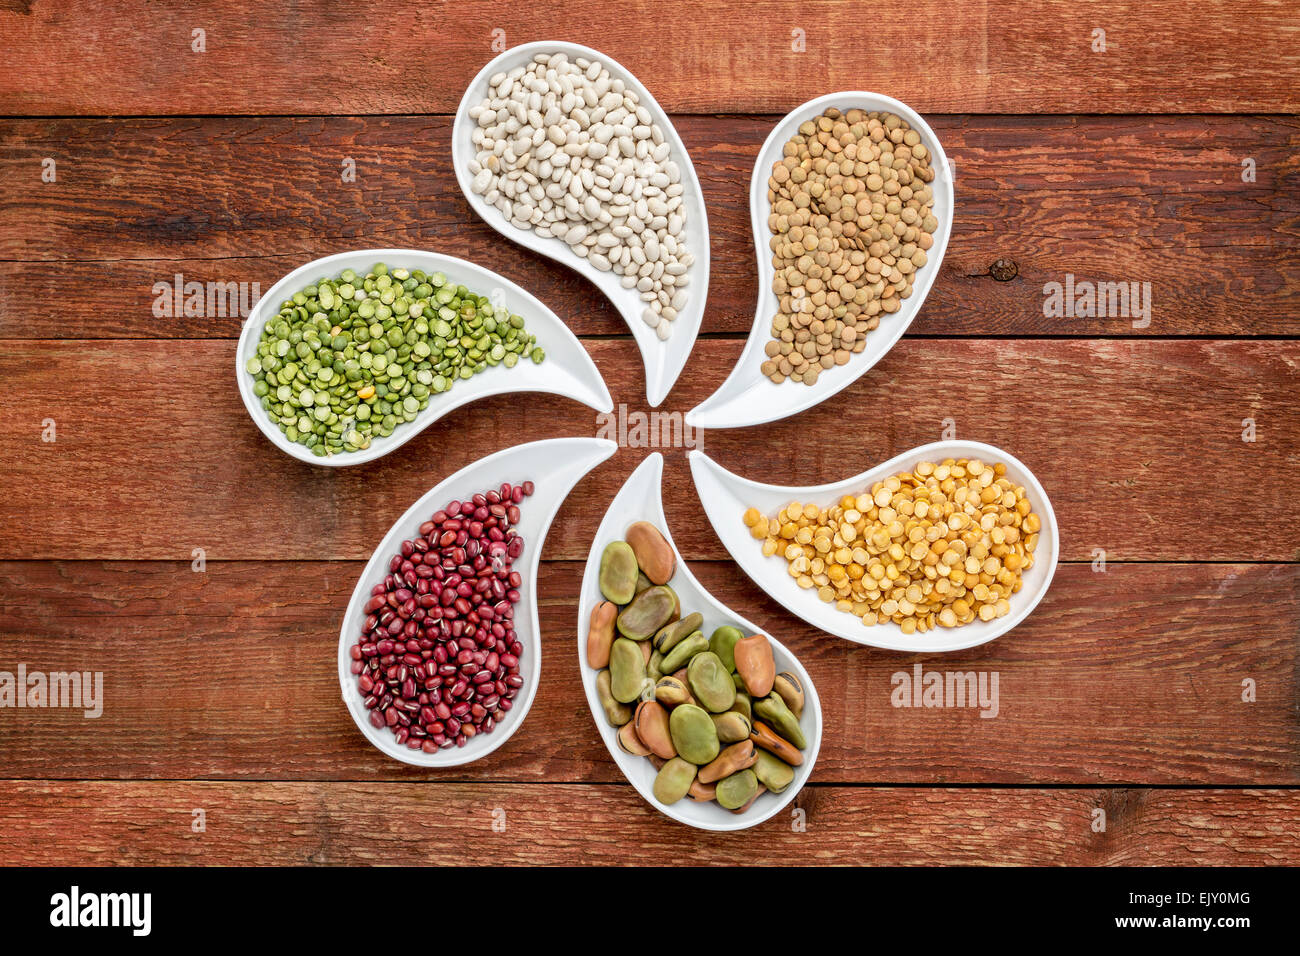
<point x="438" y="657"/>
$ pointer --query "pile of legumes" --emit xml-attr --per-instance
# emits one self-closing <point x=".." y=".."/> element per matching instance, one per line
<point x="352" y="358"/>
<point x="438" y="657"/>
<point x="710" y="713"/>
<point x="567" y="150"/>
<point x="941" y="545"/>
<point x="851" y="222"/>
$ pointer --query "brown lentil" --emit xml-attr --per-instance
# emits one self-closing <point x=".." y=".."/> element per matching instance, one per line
<point x="852" y="220"/>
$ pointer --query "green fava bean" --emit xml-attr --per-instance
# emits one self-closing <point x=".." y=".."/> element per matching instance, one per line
<point x="773" y="772"/>
<point x="674" y="780"/>
<point x="737" y="790"/>
<point x="744" y="705"/>
<point x="655" y="669"/>
<point x="677" y="607"/>
<point x="618" y="572"/>
<point x="723" y="643"/>
<point x="710" y="682"/>
<point x="678" y="657"/>
<point x="649" y="611"/>
<point x="790" y="689"/>
<point x="626" y="670"/>
<point x="616" y="713"/>
<point x="670" y="635"/>
<point x="732" y="727"/>
<point x="693" y="733"/>
<point x="773" y="710"/>
<point x="642" y="582"/>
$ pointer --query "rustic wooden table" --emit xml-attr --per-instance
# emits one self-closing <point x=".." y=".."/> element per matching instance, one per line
<point x="1159" y="681"/>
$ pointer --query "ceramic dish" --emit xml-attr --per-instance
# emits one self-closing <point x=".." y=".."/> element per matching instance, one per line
<point x="748" y="397"/>
<point x="640" y="500"/>
<point x="554" y="467"/>
<point x="663" y="359"/>
<point x="567" y="370"/>
<point x="726" y="496"/>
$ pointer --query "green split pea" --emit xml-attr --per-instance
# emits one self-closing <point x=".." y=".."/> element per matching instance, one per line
<point x="351" y="358"/>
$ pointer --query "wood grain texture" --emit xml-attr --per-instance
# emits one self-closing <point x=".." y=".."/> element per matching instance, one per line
<point x="244" y="200"/>
<point x="337" y="823"/>
<point x="90" y="57"/>
<point x="1129" y="676"/>
<point x="1138" y="443"/>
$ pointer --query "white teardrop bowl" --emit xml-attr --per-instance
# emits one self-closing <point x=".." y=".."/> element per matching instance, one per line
<point x="748" y="397"/>
<point x="663" y="360"/>
<point x="726" y="497"/>
<point x="640" y="499"/>
<point x="567" y="369"/>
<point x="554" y="466"/>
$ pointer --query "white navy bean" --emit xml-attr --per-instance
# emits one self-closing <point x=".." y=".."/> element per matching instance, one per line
<point x="564" y="148"/>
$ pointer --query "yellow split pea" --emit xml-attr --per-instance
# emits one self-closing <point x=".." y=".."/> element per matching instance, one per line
<point x="938" y="546"/>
